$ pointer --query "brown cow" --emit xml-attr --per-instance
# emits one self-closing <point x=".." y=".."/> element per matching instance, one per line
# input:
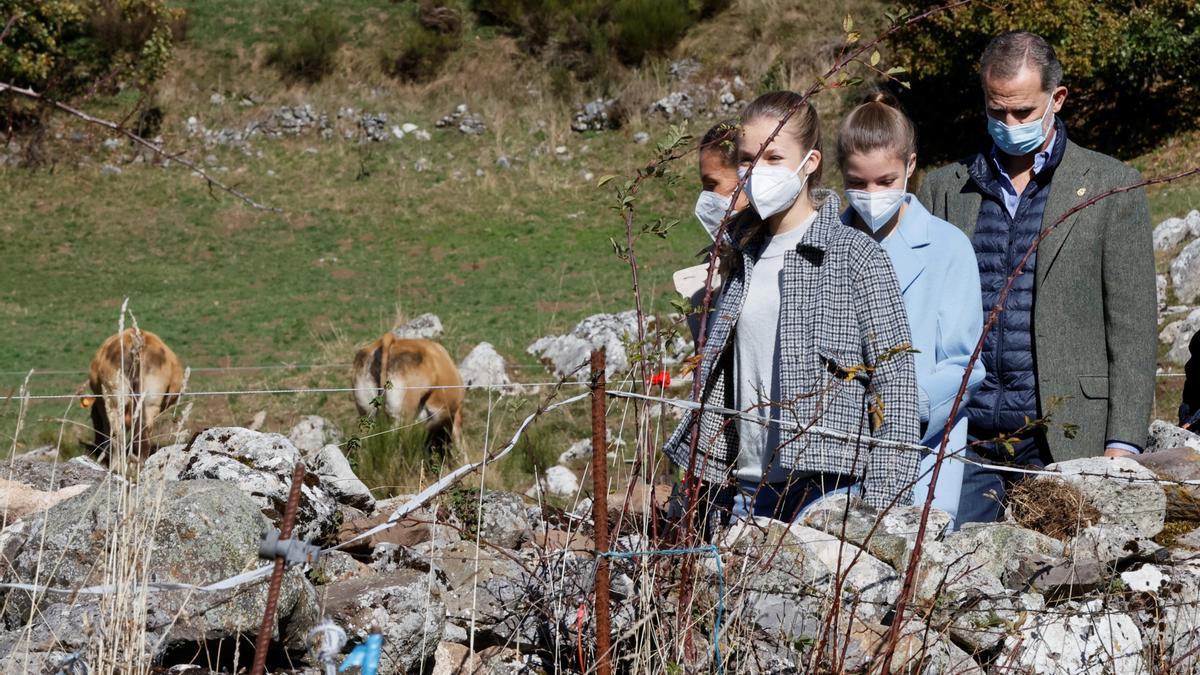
<point x="135" y="377"/>
<point x="425" y="383"/>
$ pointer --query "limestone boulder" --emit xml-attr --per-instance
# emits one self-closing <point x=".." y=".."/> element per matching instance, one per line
<point x="194" y="532"/>
<point x="260" y="465"/>
<point x="314" y="432"/>
<point x="1120" y="488"/>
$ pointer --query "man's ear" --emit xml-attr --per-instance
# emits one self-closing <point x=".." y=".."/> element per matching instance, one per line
<point x="1060" y="96"/>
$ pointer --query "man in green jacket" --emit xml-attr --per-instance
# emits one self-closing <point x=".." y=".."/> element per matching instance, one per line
<point x="1075" y="346"/>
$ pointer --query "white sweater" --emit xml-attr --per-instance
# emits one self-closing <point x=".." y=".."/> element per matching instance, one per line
<point x="756" y="360"/>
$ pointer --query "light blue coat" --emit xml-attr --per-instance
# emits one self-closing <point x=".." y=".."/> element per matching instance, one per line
<point x="939" y="279"/>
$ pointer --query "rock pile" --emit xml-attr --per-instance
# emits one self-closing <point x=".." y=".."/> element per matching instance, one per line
<point x="1117" y="591"/>
<point x="1181" y="321"/>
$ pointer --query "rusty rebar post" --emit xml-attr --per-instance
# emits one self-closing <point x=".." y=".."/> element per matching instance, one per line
<point x="600" y="514"/>
<point x="263" y="643"/>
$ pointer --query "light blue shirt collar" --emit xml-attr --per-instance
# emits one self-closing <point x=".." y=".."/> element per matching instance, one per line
<point x="1012" y="198"/>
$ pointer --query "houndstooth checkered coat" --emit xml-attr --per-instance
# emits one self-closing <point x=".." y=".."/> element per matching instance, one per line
<point x="842" y="317"/>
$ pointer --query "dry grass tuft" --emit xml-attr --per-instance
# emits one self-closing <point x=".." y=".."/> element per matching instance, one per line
<point x="1050" y="506"/>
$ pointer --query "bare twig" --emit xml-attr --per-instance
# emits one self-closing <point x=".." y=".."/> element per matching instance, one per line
<point x="117" y="128"/>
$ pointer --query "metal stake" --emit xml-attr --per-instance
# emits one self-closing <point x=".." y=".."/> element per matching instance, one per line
<point x="263" y="643"/>
<point x="600" y="514"/>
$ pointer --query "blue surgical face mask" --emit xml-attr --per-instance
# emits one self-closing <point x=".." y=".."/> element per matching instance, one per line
<point x="1020" y="139"/>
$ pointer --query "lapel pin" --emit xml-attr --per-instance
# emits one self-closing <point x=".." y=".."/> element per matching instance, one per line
<point x="1081" y="191"/>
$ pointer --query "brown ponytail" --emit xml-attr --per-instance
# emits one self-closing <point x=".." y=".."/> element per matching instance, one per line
<point x="876" y="124"/>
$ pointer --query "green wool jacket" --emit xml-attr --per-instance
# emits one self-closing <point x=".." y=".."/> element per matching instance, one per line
<point x="1095" y="324"/>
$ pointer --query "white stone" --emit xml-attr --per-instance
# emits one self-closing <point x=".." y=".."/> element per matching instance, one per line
<point x="408" y="127"/>
<point x="1091" y="639"/>
<point x="338" y="477"/>
<point x="579" y="450"/>
<point x="1160" y="285"/>
<point x="422" y="135"/>
<point x="1180" y="336"/>
<point x="397" y="132"/>
<point x="425" y="327"/>
<point x="561" y="481"/>
<point x="1147" y="579"/>
<point x="1170" y="233"/>
<point x="1185" y="273"/>
<point x="1165" y="435"/>
<point x="567" y="355"/>
<point x="485" y="367"/>
<point x="1116" y="487"/>
<point x="314" y="432"/>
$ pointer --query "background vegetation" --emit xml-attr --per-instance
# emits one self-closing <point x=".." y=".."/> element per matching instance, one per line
<point x="502" y="255"/>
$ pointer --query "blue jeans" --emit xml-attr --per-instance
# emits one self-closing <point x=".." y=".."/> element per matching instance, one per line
<point x="984" y="489"/>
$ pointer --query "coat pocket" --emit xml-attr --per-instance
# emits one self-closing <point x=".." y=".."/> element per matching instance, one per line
<point x="1094" y="386"/>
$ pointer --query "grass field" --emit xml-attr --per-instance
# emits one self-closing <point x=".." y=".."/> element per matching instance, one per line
<point x="506" y="256"/>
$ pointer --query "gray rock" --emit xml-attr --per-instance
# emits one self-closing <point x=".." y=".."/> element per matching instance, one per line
<point x="338" y="566"/>
<point x="684" y="68"/>
<point x="485" y="367"/>
<point x="422" y="135"/>
<point x="560" y="481"/>
<point x="1110" y="485"/>
<point x="314" y="432"/>
<point x="424" y="327"/>
<point x="595" y="116"/>
<point x="802" y="564"/>
<point x="1185" y="273"/>
<point x="1174" y="231"/>
<point x="1085" y="638"/>
<point x="1164" y="435"/>
<point x="1179" y="334"/>
<point x="566" y="355"/>
<point x="503" y="521"/>
<point x="957" y="593"/>
<point x="110" y="170"/>
<point x="406" y="606"/>
<point x="675" y="106"/>
<point x="478" y="580"/>
<point x="1114" y="542"/>
<point x="261" y="466"/>
<point x="51" y="475"/>
<point x="579" y="450"/>
<point x="338" y="478"/>
<point x="641" y="138"/>
<point x="205" y="531"/>
<point x="1160" y="286"/>
<point x="1001" y="548"/>
<point x="1178" y="621"/>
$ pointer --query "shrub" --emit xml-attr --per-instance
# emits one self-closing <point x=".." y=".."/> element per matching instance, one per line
<point x="69" y="47"/>
<point x="427" y="45"/>
<point x="591" y="36"/>
<point x="309" y="52"/>
<point x="1130" y="67"/>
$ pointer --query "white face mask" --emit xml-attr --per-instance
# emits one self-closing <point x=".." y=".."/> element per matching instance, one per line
<point x="877" y="208"/>
<point x="773" y="188"/>
<point x="710" y="210"/>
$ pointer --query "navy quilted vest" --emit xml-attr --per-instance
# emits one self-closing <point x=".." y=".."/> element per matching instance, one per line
<point x="1009" y="393"/>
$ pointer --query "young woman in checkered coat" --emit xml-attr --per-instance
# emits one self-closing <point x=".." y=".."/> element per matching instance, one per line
<point x="809" y="333"/>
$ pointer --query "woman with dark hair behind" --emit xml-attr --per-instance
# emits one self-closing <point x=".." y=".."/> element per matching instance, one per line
<point x="809" y="330"/>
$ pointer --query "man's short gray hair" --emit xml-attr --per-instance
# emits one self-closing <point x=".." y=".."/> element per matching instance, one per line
<point x="1007" y="53"/>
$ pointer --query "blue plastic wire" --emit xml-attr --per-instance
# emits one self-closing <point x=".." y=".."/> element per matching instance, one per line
<point x="716" y="554"/>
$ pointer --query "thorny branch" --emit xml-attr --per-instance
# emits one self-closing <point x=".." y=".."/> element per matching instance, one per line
<point x="212" y="181"/>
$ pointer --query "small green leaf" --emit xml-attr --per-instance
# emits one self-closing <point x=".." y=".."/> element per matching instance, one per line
<point x="604" y="180"/>
<point x="847" y="24"/>
<point x="852" y="37"/>
<point x="905" y="84"/>
<point x="896" y="70"/>
<point x="875" y="57"/>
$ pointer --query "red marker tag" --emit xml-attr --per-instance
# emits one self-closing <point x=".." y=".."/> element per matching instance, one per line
<point x="661" y="379"/>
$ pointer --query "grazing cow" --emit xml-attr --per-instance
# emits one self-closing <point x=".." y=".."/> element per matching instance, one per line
<point x="135" y="377"/>
<point x="425" y="383"/>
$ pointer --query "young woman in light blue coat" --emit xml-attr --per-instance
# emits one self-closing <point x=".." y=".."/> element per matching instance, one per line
<point x="935" y="265"/>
